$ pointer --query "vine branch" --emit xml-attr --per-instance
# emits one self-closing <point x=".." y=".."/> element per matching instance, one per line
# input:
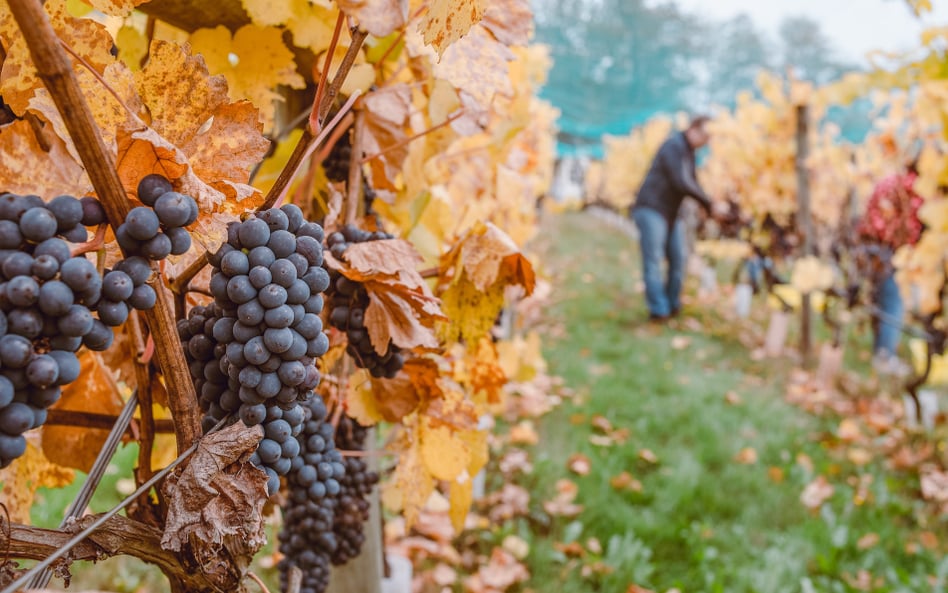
<point x="55" y="70"/>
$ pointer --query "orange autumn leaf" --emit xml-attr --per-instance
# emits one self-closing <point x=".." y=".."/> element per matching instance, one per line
<point x="22" y="478"/>
<point x="816" y="493"/>
<point x="94" y="391"/>
<point x="23" y="157"/>
<point x="489" y="255"/>
<point x="382" y="127"/>
<point x="625" y="481"/>
<point x="746" y="456"/>
<point x="486" y="374"/>
<point x="370" y="400"/>
<point x="446" y="21"/>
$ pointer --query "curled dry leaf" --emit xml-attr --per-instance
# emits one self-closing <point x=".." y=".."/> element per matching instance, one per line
<point x="523" y="433"/>
<point x="579" y="464"/>
<point x="219" y="496"/>
<point x="478" y="66"/>
<point x="562" y="504"/>
<point x="382" y="127"/>
<point x="511" y="21"/>
<point x="401" y="308"/>
<point x="816" y="493"/>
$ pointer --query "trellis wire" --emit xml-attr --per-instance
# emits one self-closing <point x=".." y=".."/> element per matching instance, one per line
<point x="79" y="537"/>
<point x="79" y="504"/>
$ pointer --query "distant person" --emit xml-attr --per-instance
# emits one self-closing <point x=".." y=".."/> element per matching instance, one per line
<point x="890" y="221"/>
<point x="670" y="179"/>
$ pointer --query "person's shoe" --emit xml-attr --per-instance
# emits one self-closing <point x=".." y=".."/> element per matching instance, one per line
<point x="675" y="312"/>
<point x="655" y="318"/>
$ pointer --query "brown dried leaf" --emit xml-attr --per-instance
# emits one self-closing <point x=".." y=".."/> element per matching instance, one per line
<point x="116" y="7"/>
<point x="390" y="257"/>
<point x="816" y="493"/>
<point x="488" y="255"/>
<point x="219" y="494"/>
<point x="448" y="20"/>
<point x="511" y="21"/>
<point x="379" y="17"/>
<point x="23" y="157"/>
<point x="94" y="391"/>
<point x="579" y="464"/>
<point x="382" y="127"/>
<point x="405" y="318"/>
<point x="477" y="65"/>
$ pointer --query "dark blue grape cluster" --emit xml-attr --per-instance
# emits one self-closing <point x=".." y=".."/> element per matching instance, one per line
<point x="336" y="163"/>
<point x="315" y="482"/>
<point x="348" y="301"/>
<point x="47" y="303"/>
<point x="352" y="505"/>
<point x="157" y="229"/>
<point x="253" y="352"/>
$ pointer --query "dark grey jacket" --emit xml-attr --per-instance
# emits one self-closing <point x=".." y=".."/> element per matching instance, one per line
<point x="671" y="178"/>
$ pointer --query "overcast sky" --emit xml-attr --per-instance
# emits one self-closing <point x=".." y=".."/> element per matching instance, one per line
<point x="857" y="26"/>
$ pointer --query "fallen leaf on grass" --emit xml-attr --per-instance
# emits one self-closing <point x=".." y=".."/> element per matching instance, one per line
<point x="934" y="486"/>
<point x="562" y="504"/>
<point x="859" y="456"/>
<point x="867" y="541"/>
<point x="648" y="456"/>
<point x="579" y="464"/>
<point x="637" y="589"/>
<point x="572" y="549"/>
<point x="848" y="430"/>
<point x="816" y="493"/>
<point x="444" y="575"/>
<point x="625" y="481"/>
<point x="517" y="546"/>
<point x="524" y="433"/>
<point x="928" y="540"/>
<point x="515" y="460"/>
<point x="601" y="423"/>
<point x="804" y="461"/>
<point x="732" y="398"/>
<point x="746" y="456"/>
<point x="594" y="545"/>
<point x="680" y="342"/>
<point x="776" y="474"/>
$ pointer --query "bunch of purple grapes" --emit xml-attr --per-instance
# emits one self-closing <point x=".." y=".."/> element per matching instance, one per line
<point x="348" y="301"/>
<point x="253" y="351"/>
<point x="48" y="305"/>
<point x="307" y="540"/>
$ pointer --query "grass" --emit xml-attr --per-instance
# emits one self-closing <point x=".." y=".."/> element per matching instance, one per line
<point x="702" y="522"/>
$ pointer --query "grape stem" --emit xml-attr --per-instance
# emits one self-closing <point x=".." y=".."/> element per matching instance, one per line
<point x="258" y="580"/>
<point x="410" y="139"/>
<point x="314" y="126"/>
<point x="94" y="244"/>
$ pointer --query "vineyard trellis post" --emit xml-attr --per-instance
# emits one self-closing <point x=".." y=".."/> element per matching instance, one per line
<point x="804" y="221"/>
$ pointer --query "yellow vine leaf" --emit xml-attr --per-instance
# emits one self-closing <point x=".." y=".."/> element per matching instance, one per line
<point x="24" y="476"/>
<point x="477" y="64"/>
<point x="488" y="255"/>
<point x="471" y="311"/>
<point x="487" y="374"/>
<point x="94" y="391"/>
<point x="411" y="484"/>
<point x="133" y="46"/>
<point x="311" y="21"/>
<point x="445" y="455"/>
<point x="460" y="496"/>
<point x="448" y="20"/>
<point x="378" y="17"/>
<point x="254" y="60"/>
<point x="116" y="7"/>
<point x="18" y="76"/>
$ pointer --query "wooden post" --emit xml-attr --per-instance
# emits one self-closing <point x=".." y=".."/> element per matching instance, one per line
<point x="364" y="573"/>
<point x="804" y="221"/>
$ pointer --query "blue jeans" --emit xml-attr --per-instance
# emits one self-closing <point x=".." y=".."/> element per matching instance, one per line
<point x="888" y="330"/>
<point x="658" y="242"/>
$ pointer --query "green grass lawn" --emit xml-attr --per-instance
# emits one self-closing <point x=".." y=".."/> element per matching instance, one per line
<point x="703" y="522"/>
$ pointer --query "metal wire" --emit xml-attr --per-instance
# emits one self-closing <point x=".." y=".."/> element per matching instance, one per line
<point x="78" y="506"/>
<point x="82" y="535"/>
